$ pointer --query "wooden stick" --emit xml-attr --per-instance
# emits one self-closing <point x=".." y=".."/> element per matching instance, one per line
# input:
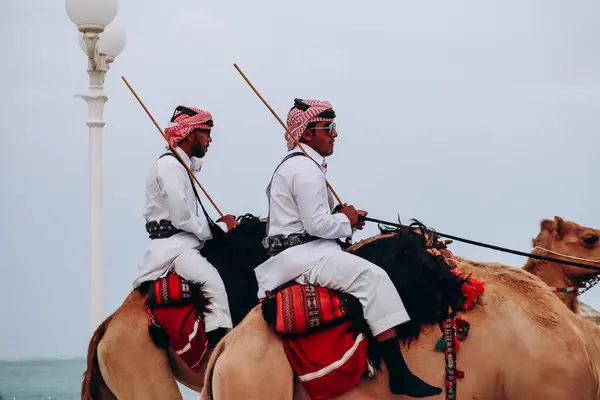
<point x="170" y="146"/>
<point x="284" y="127"/>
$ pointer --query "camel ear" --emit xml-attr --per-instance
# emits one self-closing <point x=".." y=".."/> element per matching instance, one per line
<point x="560" y="225"/>
<point x="555" y="227"/>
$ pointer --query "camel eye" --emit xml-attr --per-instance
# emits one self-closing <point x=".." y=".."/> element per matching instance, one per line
<point x="591" y="240"/>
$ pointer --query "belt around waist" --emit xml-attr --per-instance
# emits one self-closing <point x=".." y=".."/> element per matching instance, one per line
<point x="161" y="230"/>
<point x="278" y="243"/>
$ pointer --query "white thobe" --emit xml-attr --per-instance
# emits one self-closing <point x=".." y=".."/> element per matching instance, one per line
<point x="301" y="202"/>
<point x="170" y="196"/>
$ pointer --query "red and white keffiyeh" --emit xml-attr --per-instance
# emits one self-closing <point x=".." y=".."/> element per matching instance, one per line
<point x="297" y="119"/>
<point x="183" y="124"/>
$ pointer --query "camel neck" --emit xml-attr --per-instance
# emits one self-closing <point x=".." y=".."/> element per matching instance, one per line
<point x="554" y="275"/>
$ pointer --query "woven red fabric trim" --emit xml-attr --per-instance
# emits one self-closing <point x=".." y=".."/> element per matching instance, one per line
<point x="170" y="290"/>
<point x="301" y="308"/>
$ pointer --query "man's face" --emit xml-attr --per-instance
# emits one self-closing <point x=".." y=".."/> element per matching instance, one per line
<point x="319" y="137"/>
<point x="199" y="142"/>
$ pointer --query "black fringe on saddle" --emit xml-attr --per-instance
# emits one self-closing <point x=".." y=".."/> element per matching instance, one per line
<point x="269" y="311"/>
<point x="235" y="255"/>
<point x="429" y="291"/>
<point x="159" y="336"/>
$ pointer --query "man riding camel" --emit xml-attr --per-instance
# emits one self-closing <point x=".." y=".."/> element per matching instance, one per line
<point x="303" y="233"/>
<point x="177" y="222"/>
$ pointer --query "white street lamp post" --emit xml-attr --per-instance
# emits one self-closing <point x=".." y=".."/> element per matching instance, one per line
<point x="101" y="46"/>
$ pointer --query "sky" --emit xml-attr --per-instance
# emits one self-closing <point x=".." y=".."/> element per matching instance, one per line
<point x="478" y="118"/>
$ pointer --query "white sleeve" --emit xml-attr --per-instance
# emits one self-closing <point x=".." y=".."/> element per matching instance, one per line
<point x="172" y="180"/>
<point x="310" y="193"/>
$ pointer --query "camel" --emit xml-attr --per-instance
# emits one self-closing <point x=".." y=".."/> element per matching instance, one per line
<point x="558" y="352"/>
<point x="524" y="344"/>
<point x="115" y="373"/>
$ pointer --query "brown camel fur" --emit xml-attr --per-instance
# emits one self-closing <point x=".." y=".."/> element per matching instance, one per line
<point x="519" y="318"/>
<point x="145" y="371"/>
<point x="523" y="344"/>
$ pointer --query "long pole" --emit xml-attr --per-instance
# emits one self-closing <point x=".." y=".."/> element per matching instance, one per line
<point x="95" y="100"/>
<point x="283" y="125"/>
<point x="171" y="146"/>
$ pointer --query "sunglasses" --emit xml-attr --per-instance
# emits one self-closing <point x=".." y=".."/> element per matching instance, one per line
<point x="329" y="128"/>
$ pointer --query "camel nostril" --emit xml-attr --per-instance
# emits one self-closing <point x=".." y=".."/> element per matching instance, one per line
<point x="591" y="240"/>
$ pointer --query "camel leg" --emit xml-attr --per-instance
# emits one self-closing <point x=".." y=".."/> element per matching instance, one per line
<point x="131" y="364"/>
<point x="257" y="367"/>
<point x="192" y="379"/>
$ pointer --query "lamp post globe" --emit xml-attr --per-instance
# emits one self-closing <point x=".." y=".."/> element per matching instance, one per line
<point x="91" y="15"/>
<point x="112" y="40"/>
<point x="111" y="43"/>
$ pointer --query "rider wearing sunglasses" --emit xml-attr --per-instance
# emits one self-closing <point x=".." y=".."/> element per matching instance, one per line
<point x="320" y="136"/>
<point x="303" y="233"/>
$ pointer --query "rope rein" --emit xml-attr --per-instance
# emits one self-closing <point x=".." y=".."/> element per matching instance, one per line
<point x="580" y="289"/>
<point x="567" y="256"/>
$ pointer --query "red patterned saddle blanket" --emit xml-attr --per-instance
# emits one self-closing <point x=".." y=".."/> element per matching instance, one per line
<point x="175" y="308"/>
<point x="315" y="324"/>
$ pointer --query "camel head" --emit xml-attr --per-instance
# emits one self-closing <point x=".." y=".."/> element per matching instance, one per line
<point x="569" y="238"/>
<point x="559" y="237"/>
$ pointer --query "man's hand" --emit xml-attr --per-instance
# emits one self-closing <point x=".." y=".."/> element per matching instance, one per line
<point x="229" y="221"/>
<point x="353" y="215"/>
<point x="361" y="222"/>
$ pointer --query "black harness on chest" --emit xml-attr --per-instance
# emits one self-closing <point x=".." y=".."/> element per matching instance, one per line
<point x="164" y="228"/>
<point x="278" y="243"/>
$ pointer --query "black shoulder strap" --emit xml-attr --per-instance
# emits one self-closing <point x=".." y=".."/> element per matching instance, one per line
<point x="215" y="229"/>
<point x="291" y="155"/>
<point x="295" y="154"/>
